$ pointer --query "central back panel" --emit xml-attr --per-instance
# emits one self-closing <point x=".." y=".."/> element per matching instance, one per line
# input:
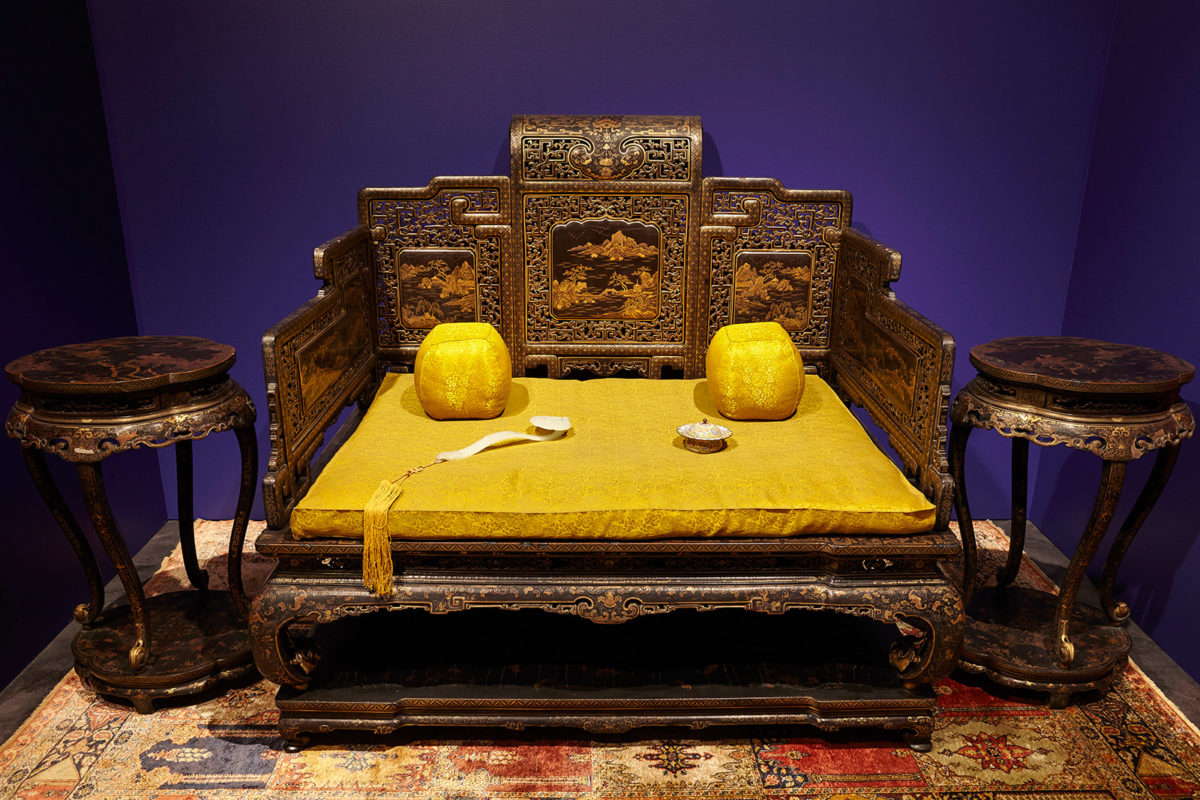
<point x="607" y="225"/>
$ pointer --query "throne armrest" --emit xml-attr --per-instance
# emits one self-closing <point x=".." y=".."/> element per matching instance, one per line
<point x="893" y="362"/>
<point x="316" y="361"/>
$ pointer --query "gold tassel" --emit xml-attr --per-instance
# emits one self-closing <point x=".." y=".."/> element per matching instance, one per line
<point x="377" y="544"/>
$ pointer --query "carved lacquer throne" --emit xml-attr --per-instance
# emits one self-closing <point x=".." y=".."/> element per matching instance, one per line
<point x="606" y="253"/>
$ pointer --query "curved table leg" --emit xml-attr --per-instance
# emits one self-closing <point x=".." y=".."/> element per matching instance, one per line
<point x="248" y="444"/>
<point x="1020" y="495"/>
<point x="187" y="523"/>
<point x="92" y="482"/>
<point x="1164" y="463"/>
<point x="959" y="434"/>
<point x="85" y="613"/>
<point x="1111" y="479"/>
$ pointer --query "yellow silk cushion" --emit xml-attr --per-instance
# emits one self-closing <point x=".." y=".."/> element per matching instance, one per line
<point x="463" y="371"/>
<point x="754" y="371"/>
<point x="621" y="472"/>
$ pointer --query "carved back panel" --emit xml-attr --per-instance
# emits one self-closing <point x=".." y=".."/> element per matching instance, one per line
<point x="605" y="251"/>
<point x="606" y="220"/>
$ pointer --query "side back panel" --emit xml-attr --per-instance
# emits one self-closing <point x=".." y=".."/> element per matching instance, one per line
<point x="763" y="258"/>
<point x="437" y="255"/>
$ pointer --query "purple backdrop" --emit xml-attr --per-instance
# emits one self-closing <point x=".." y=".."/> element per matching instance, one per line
<point x="66" y="280"/>
<point x="239" y="136"/>
<point x="1135" y="279"/>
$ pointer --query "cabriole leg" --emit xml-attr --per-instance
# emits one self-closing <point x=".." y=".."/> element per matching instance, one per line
<point x="1020" y="494"/>
<point x="1164" y="463"/>
<point x="248" y="445"/>
<point x="187" y="524"/>
<point x="959" y="434"/>
<point x="85" y="613"/>
<point x="92" y="482"/>
<point x="1111" y="479"/>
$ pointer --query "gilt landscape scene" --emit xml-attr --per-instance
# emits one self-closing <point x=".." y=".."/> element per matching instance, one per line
<point x="773" y="287"/>
<point x="866" y="342"/>
<point x="436" y="286"/>
<point x="605" y="269"/>
<point x="328" y="356"/>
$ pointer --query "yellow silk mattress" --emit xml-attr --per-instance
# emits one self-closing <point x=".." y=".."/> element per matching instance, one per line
<point x="621" y="472"/>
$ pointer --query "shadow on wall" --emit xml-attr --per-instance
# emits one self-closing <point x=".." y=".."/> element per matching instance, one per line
<point x="1165" y="553"/>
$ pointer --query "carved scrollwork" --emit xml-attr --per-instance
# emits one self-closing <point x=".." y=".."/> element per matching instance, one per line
<point x="605" y="148"/>
<point x="78" y="442"/>
<point x="606" y="367"/>
<point x="930" y="614"/>
<point x="1118" y="439"/>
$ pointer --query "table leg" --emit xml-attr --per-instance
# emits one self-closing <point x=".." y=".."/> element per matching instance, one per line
<point x="1020" y="495"/>
<point x="92" y="482"/>
<point x="187" y="522"/>
<point x="85" y="613"/>
<point x="248" y="444"/>
<point x="959" y="433"/>
<point x="1164" y="462"/>
<point x="1111" y="479"/>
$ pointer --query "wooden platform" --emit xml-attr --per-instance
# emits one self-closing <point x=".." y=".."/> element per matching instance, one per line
<point x="485" y="668"/>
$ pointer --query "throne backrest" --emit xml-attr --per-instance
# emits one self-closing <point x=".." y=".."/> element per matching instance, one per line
<point x="605" y="252"/>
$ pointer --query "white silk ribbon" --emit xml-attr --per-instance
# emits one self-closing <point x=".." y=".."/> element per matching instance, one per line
<point x="552" y="427"/>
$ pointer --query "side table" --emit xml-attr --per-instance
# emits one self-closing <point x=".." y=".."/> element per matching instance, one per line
<point x="85" y="402"/>
<point x="1116" y="401"/>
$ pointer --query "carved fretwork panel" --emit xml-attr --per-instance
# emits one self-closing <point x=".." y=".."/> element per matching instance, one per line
<point x="563" y="366"/>
<point x="892" y="361"/>
<point x="438" y="255"/>
<point x="606" y="214"/>
<point x="623" y="283"/>
<point x="316" y="361"/>
<point x="764" y="258"/>
<point x="331" y="349"/>
<point x="606" y="148"/>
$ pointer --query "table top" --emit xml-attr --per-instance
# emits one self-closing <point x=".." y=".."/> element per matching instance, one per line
<point x="120" y="366"/>
<point x="1087" y="366"/>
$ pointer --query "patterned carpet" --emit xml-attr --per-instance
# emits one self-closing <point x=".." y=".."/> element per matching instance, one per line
<point x="987" y="745"/>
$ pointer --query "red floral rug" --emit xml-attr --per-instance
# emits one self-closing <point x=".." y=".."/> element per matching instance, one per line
<point x="987" y="745"/>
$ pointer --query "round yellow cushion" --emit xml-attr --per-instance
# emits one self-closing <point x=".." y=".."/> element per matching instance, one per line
<point x="754" y="371"/>
<point x="463" y="371"/>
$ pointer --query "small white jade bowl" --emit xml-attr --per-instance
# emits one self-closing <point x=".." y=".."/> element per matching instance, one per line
<point x="704" y="436"/>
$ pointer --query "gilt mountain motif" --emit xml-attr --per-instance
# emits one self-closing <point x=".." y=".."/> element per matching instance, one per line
<point x="436" y="286"/>
<point x="773" y="287"/>
<point x="869" y="344"/>
<point x="605" y="269"/>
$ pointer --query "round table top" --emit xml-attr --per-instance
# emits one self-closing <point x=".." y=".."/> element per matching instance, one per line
<point x="120" y="366"/>
<point x="1088" y="366"/>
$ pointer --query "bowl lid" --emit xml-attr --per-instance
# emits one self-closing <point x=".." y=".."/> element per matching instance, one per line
<point x="704" y="430"/>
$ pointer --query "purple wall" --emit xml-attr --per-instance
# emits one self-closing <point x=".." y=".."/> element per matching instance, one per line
<point x="241" y="132"/>
<point x="1136" y="279"/>
<point x="66" y="280"/>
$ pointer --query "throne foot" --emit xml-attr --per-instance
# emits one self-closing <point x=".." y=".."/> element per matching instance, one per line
<point x="920" y="739"/>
